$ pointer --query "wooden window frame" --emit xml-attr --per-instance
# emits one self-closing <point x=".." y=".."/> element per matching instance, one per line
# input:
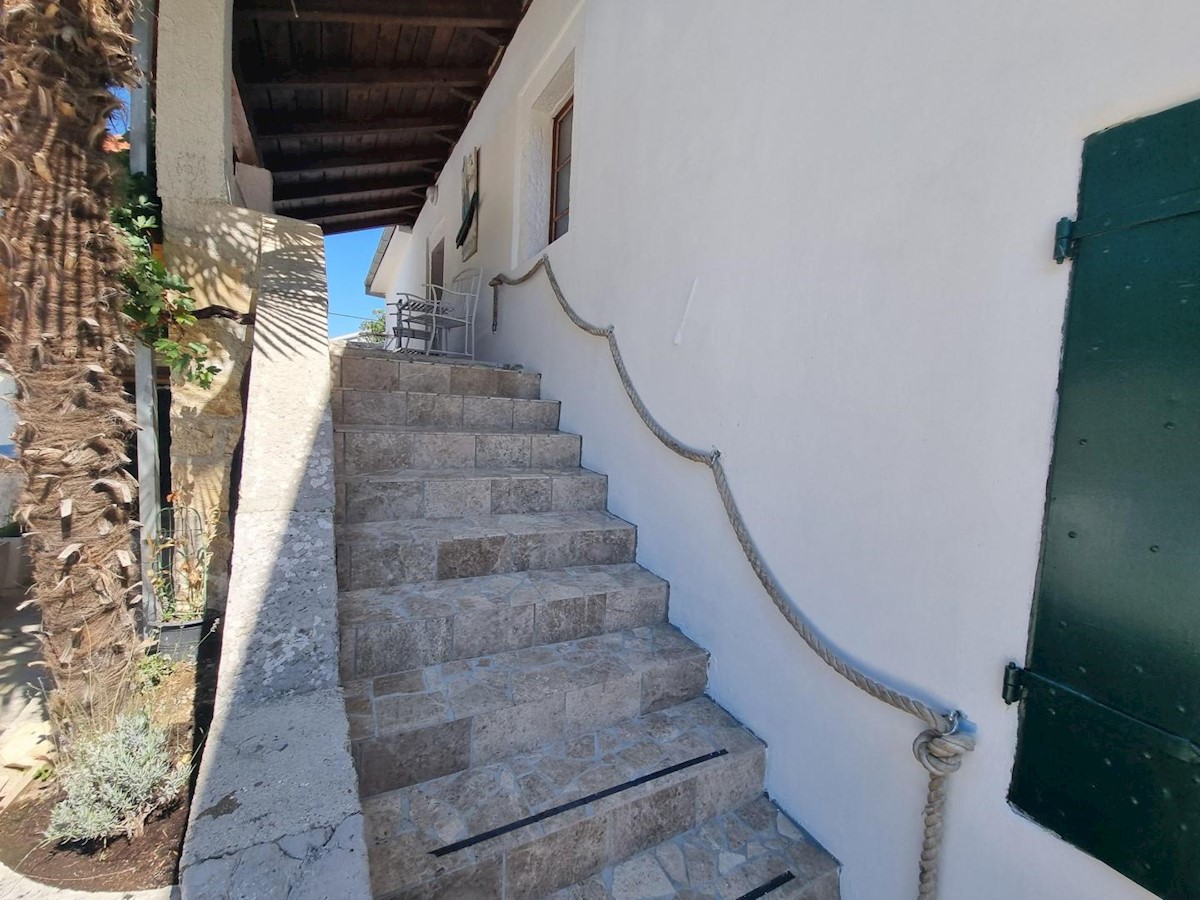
<point x="556" y="167"/>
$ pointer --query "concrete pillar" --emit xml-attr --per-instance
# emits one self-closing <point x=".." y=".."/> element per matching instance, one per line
<point x="213" y="245"/>
<point x="194" y="140"/>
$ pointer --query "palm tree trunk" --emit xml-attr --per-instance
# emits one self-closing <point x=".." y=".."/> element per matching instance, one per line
<point x="61" y="337"/>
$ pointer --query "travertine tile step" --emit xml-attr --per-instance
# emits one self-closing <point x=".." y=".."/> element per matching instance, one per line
<point x="354" y="407"/>
<point x="416" y="835"/>
<point x="479" y="491"/>
<point x="416" y="625"/>
<point x="377" y="554"/>
<point x="378" y="370"/>
<point x="360" y="449"/>
<point x="412" y="726"/>
<point x="753" y="848"/>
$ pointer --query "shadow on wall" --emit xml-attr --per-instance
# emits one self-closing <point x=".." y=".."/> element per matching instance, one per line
<point x="277" y="770"/>
<point x="217" y="250"/>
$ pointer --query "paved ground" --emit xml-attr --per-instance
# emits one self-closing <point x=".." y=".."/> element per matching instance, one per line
<point x="24" y="734"/>
<point x="18" y="648"/>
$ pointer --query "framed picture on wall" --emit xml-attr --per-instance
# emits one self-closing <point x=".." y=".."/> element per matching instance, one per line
<point x="468" y="232"/>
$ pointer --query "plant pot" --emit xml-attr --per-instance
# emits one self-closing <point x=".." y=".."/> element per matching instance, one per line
<point x="181" y="640"/>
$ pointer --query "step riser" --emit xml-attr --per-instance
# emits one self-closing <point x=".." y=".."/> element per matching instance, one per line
<point x="372" y="649"/>
<point x="383" y="561"/>
<point x="738" y="853"/>
<point x="387" y="761"/>
<point x="379" y="373"/>
<point x="620" y="826"/>
<point x="361" y="453"/>
<point x="428" y="410"/>
<point x="385" y="501"/>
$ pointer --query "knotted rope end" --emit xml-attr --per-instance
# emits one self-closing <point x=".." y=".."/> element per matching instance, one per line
<point x="941" y="751"/>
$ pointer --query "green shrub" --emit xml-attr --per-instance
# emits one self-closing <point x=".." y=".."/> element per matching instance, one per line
<point x="114" y="781"/>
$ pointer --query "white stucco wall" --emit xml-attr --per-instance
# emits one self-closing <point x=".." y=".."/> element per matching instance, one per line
<point x="864" y="195"/>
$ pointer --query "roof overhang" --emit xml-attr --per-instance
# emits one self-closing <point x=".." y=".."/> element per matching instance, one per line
<point x="381" y="252"/>
<point x="355" y="105"/>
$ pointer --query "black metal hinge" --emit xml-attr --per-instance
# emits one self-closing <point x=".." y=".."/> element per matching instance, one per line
<point x="1064" y="240"/>
<point x="1012" y="683"/>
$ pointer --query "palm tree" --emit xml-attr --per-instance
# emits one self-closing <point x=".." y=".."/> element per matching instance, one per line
<point x="61" y="337"/>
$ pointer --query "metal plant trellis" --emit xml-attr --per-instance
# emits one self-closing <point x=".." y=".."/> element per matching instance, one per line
<point x="180" y="569"/>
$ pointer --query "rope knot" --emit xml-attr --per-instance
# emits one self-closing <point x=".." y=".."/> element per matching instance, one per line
<point x="941" y="752"/>
<point x="714" y="456"/>
<point x="608" y="331"/>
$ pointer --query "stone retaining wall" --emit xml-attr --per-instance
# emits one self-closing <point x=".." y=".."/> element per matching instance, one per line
<point x="276" y="810"/>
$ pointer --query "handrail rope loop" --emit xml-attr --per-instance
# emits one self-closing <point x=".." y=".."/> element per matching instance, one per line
<point x="941" y="747"/>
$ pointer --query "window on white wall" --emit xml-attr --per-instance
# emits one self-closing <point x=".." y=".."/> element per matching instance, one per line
<point x="560" y="172"/>
<point x="548" y="115"/>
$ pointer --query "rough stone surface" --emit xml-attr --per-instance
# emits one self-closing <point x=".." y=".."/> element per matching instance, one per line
<point x="514" y="701"/>
<point x="502" y="655"/>
<point x="411" y="550"/>
<point x="404" y="825"/>
<point x="276" y="810"/>
<point x="723" y="858"/>
<point x="215" y="246"/>
<point x="436" y="377"/>
<point x="364" y="449"/>
<point x="277" y="769"/>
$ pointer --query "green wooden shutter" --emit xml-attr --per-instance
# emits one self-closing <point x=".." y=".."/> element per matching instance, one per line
<point x="1107" y="754"/>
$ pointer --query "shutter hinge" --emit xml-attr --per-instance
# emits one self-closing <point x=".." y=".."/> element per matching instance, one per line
<point x="1064" y="244"/>
<point x="1012" y="683"/>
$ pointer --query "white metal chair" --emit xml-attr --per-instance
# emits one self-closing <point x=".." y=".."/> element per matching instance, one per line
<point x="430" y="320"/>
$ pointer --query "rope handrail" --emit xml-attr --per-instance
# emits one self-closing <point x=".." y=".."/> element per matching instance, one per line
<point x="941" y="746"/>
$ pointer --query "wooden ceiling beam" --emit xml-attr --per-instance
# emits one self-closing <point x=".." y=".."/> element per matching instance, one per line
<point x="286" y="127"/>
<point x="361" y="208"/>
<point x="401" y="215"/>
<point x="309" y="191"/>
<point x="419" y="76"/>
<point x="341" y="227"/>
<point x="245" y="147"/>
<point x="431" y="154"/>
<point x="453" y="13"/>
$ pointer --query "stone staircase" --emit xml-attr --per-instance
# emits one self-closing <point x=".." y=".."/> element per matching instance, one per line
<point x="524" y="721"/>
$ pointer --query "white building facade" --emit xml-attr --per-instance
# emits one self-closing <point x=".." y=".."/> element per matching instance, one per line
<point x="823" y="234"/>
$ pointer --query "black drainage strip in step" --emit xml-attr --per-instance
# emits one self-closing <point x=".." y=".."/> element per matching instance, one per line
<point x="575" y="804"/>
<point x="763" y="889"/>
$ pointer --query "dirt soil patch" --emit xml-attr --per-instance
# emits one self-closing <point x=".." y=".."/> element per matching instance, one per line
<point x="151" y="860"/>
<point x="147" y="862"/>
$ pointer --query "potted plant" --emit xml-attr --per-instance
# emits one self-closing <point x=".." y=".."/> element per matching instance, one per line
<point x="179" y="575"/>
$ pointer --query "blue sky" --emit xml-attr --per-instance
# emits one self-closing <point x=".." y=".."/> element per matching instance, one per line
<point x="347" y="258"/>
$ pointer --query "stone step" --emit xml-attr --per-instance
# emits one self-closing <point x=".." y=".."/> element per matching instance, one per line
<point x="530" y="824"/>
<point x="355" y="407"/>
<point x="412" y="726"/>
<point x="378" y="554"/>
<point x="361" y="449"/>
<point x="438" y="493"/>
<point x="754" y="851"/>
<point x="390" y="630"/>
<point x="381" y="370"/>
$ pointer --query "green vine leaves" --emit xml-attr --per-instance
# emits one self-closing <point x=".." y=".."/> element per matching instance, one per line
<point x="158" y="299"/>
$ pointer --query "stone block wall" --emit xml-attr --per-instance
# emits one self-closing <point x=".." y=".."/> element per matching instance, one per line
<point x="216" y="248"/>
